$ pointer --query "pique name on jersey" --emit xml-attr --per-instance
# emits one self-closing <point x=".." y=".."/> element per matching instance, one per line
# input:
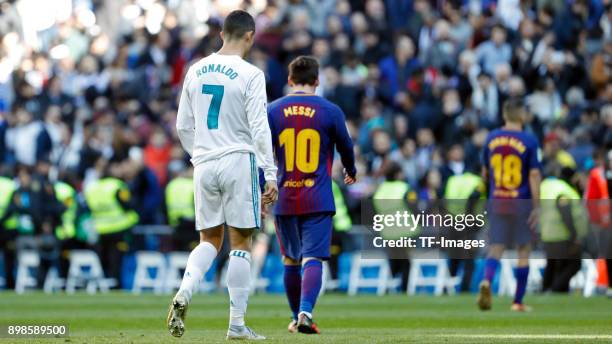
<point x="217" y="68"/>
<point x="298" y="110"/>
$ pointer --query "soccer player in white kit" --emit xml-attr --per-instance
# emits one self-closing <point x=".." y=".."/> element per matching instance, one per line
<point x="222" y="123"/>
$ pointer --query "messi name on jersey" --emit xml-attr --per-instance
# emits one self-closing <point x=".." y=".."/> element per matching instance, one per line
<point x="299" y="110"/>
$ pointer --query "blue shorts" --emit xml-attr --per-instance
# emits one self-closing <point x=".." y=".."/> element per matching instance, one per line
<point x="305" y="236"/>
<point x="509" y="229"/>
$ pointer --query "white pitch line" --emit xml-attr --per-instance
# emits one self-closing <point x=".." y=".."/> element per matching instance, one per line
<point x="530" y="336"/>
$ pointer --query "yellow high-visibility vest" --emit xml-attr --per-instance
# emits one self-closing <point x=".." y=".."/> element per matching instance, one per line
<point x="460" y="187"/>
<point x="551" y="224"/>
<point x="67" y="195"/>
<point x="389" y="198"/>
<point x="179" y="200"/>
<point x="7" y="188"/>
<point x="107" y="213"/>
<point x="342" y="219"/>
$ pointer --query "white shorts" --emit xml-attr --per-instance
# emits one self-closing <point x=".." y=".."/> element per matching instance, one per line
<point x="227" y="191"/>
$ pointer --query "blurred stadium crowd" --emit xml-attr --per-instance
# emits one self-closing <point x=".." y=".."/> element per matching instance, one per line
<point x="88" y="90"/>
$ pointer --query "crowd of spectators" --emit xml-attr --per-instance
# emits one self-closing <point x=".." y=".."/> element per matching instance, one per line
<point x="421" y="82"/>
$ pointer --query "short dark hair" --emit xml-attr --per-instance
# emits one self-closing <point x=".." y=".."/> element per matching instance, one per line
<point x="238" y="23"/>
<point x="304" y="70"/>
<point x="514" y="110"/>
<point x="392" y="171"/>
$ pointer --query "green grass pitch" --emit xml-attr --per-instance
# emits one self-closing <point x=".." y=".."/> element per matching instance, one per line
<point x="125" y="318"/>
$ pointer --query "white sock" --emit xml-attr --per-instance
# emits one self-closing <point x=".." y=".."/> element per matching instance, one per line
<point x="199" y="261"/>
<point x="239" y="285"/>
<point x="309" y="315"/>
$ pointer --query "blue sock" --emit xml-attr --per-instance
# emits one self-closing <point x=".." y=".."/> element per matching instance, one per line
<point x="311" y="284"/>
<point x="293" y="286"/>
<point x="491" y="265"/>
<point x="521" y="274"/>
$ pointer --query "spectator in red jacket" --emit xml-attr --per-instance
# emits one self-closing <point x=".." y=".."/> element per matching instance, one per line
<point x="597" y="193"/>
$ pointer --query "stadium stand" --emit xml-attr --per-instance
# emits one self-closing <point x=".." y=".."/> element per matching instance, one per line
<point x="89" y="89"/>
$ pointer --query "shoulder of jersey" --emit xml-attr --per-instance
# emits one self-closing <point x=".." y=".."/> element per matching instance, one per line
<point x="322" y="101"/>
<point x="275" y="103"/>
<point x="332" y="110"/>
<point x="250" y="68"/>
<point x="331" y="104"/>
<point x="534" y="140"/>
<point x="198" y="63"/>
<point x="190" y="71"/>
<point x="493" y="133"/>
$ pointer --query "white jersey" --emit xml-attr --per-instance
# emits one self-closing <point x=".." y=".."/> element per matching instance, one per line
<point x="223" y="109"/>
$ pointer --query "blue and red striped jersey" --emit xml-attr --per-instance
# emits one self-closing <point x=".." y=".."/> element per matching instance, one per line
<point x="305" y="129"/>
<point x="508" y="157"/>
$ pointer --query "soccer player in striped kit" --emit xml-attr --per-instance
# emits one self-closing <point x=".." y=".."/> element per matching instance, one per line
<point x="305" y="129"/>
<point x="512" y="167"/>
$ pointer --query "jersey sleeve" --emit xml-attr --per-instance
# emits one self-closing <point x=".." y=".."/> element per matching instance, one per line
<point x="256" y="109"/>
<point x="185" y="121"/>
<point x="344" y="143"/>
<point x="271" y="110"/>
<point x="534" y="156"/>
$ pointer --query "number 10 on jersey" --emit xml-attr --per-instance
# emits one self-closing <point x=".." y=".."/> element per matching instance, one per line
<point x="301" y="150"/>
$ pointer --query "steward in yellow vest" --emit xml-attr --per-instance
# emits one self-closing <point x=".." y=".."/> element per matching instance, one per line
<point x="67" y="196"/>
<point x="180" y="211"/>
<point x="342" y="219"/>
<point x="563" y="225"/>
<point x="394" y="195"/>
<point x="342" y="225"/>
<point x="109" y="200"/>
<point x="38" y="212"/>
<point x="462" y="195"/>
<point x="179" y="200"/>
<point x="72" y="231"/>
<point x="563" y="215"/>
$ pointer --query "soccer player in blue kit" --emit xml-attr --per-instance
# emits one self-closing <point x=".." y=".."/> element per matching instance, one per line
<point x="305" y="129"/>
<point x="512" y="167"/>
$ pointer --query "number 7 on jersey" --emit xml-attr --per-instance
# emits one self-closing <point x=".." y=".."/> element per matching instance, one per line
<point x="216" y="91"/>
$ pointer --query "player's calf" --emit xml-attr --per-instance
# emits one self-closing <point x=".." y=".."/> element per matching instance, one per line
<point x="311" y="286"/>
<point x="292" y="279"/>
